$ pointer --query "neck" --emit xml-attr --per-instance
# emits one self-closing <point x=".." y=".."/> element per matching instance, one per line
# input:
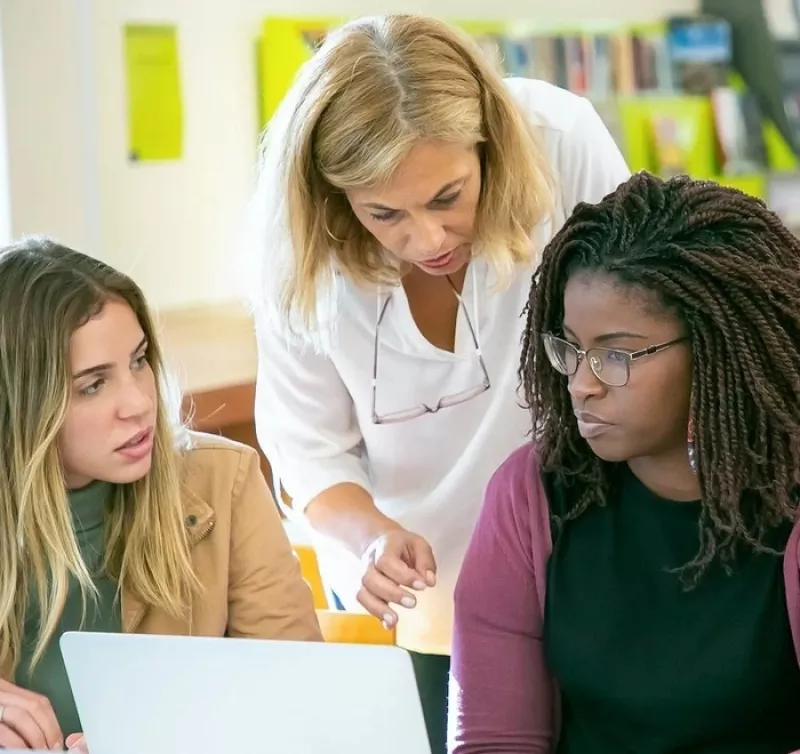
<point x="669" y="476"/>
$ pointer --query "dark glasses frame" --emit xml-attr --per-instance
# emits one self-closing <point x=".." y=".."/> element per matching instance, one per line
<point x="627" y="357"/>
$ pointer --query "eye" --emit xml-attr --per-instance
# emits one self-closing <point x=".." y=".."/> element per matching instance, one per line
<point x="446" y="201"/>
<point x="383" y="217"/>
<point x="141" y="362"/>
<point x="93" y="388"/>
<point x="620" y="357"/>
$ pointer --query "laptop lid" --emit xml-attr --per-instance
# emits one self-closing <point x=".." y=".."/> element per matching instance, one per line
<point x="200" y="695"/>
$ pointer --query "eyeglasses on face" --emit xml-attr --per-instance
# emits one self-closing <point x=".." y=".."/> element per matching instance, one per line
<point x="612" y="366"/>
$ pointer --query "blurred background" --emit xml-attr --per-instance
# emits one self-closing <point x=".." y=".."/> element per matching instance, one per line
<point x="128" y="128"/>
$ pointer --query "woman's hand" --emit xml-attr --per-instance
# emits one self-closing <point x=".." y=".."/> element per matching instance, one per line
<point x="394" y="563"/>
<point x="77" y="742"/>
<point x="27" y="720"/>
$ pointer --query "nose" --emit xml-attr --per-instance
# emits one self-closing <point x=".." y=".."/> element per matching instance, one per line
<point x="134" y="400"/>
<point x="427" y="237"/>
<point x="584" y="383"/>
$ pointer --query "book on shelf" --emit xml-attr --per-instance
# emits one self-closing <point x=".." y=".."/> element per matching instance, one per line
<point x="701" y="53"/>
<point x="672" y="138"/>
<point x="739" y="132"/>
<point x="679" y="56"/>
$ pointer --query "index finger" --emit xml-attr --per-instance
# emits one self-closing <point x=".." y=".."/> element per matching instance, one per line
<point x="396" y="569"/>
<point x="424" y="561"/>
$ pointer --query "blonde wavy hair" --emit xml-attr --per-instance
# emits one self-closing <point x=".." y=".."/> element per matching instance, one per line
<point x="375" y="87"/>
<point x="48" y="292"/>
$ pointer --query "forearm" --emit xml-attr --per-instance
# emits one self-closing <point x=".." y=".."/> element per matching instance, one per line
<point x="347" y="513"/>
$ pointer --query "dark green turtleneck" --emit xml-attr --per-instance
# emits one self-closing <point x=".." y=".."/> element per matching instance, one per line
<point x="49" y="676"/>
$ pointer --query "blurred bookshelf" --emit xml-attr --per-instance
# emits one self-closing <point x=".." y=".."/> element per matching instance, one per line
<point x="669" y="92"/>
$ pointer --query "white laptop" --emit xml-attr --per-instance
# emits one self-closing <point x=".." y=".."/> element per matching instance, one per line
<point x="195" y="695"/>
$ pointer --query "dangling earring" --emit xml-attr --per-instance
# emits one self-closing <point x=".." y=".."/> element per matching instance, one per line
<point x="690" y="446"/>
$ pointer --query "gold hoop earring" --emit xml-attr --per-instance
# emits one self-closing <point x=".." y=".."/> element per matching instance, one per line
<point x="325" y="222"/>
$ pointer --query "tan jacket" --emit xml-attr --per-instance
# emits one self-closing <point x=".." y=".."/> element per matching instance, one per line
<point x="251" y="580"/>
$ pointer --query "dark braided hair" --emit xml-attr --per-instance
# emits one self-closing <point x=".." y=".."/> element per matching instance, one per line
<point x="730" y="269"/>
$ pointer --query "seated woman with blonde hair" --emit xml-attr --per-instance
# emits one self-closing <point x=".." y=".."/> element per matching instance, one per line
<point x="114" y="518"/>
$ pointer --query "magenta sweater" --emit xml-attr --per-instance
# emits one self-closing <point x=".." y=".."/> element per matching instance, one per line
<point x="502" y="699"/>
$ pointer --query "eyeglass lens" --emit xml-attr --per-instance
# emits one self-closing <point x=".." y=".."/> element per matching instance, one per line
<point x="608" y="365"/>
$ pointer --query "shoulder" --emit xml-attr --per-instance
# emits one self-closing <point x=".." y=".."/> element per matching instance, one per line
<point x="584" y="156"/>
<point x="515" y="494"/>
<point x="215" y="469"/>
<point x="548" y="107"/>
<point x="514" y="523"/>
<point x="574" y="136"/>
<point x="517" y="472"/>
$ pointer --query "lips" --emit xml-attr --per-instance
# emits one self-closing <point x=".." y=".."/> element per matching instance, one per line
<point x="441" y="261"/>
<point x="135" y="440"/>
<point x="591" y="426"/>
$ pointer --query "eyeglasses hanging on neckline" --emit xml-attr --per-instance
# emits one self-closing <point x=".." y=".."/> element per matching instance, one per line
<point x="448" y="401"/>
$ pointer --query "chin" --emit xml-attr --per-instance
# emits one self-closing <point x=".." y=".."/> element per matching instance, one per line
<point x="609" y="451"/>
<point x="129" y="474"/>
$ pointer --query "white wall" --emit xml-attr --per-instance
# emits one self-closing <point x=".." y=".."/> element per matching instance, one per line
<point x="5" y="199"/>
<point x="171" y="225"/>
<point x="44" y="118"/>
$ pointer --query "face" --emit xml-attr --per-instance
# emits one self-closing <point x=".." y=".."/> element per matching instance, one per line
<point x="426" y="213"/>
<point x="109" y="430"/>
<point x="648" y="417"/>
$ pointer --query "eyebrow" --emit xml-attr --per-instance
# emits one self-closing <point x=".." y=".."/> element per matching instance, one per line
<point x="609" y="336"/>
<point x="443" y="190"/>
<point x="106" y="367"/>
<point x="605" y="337"/>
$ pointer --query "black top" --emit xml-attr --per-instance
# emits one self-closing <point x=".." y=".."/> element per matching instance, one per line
<point x="645" y="665"/>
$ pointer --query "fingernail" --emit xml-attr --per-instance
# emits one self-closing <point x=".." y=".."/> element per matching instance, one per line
<point x="430" y="577"/>
<point x="418" y="585"/>
<point x="388" y="620"/>
<point x="408" y="601"/>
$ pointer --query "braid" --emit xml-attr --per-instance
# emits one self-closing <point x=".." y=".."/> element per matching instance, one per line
<point x="730" y="269"/>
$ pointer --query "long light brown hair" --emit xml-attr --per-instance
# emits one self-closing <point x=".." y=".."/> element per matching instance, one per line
<point x="47" y="292"/>
<point x="375" y="88"/>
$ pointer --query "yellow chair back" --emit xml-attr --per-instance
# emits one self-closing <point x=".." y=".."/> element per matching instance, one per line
<point x="338" y="626"/>
<point x="341" y="627"/>
<point x="309" y="567"/>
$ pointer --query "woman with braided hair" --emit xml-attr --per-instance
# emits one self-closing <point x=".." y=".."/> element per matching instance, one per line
<point x="633" y="583"/>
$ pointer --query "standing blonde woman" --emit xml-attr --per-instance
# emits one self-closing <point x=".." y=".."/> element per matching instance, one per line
<point x="110" y="519"/>
<point x="406" y="191"/>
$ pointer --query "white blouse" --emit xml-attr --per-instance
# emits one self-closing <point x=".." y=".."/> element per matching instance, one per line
<point x="314" y="410"/>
